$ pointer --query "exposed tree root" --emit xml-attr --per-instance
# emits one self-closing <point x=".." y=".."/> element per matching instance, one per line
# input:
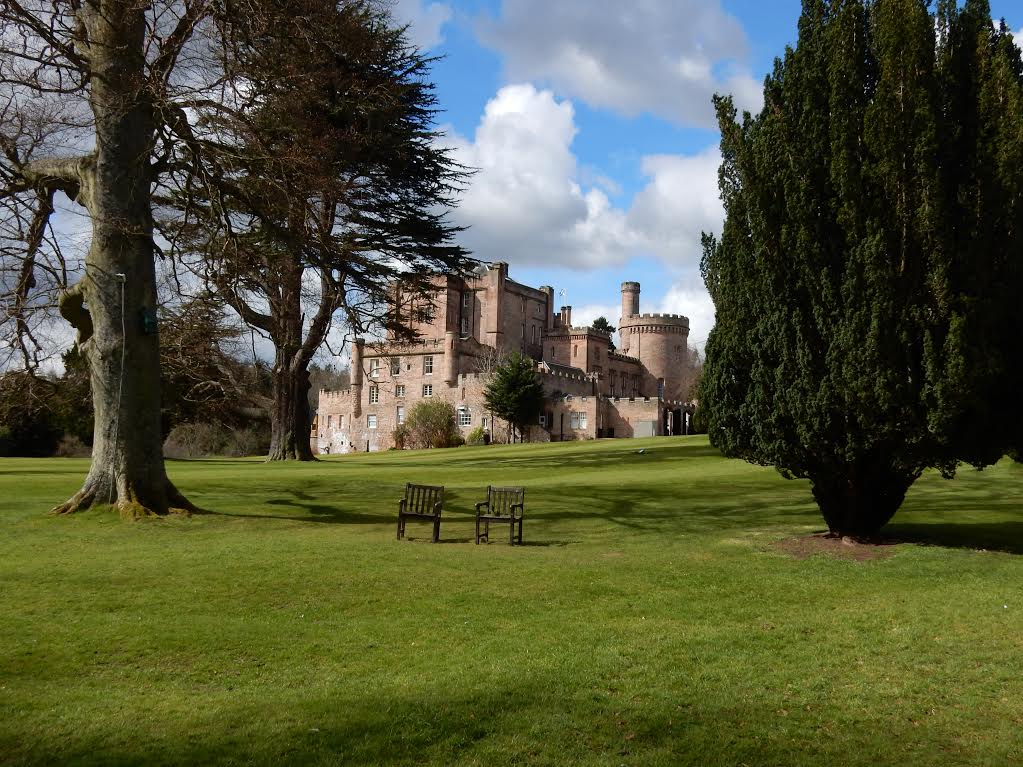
<point x="130" y="508"/>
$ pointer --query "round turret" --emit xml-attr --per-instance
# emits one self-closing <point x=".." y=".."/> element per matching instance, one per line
<point x="660" y="342"/>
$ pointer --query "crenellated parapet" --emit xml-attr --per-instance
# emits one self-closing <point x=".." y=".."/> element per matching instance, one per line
<point x="334" y="399"/>
<point x="670" y="323"/>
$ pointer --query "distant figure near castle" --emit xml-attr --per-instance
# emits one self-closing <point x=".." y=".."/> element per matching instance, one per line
<point x="592" y="390"/>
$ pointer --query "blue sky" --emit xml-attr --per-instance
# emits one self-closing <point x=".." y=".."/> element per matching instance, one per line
<point x="591" y="125"/>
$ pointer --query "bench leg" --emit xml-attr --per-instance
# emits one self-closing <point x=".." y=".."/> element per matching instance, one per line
<point x="401" y="527"/>
<point x="511" y="532"/>
<point x="436" y="530"/>
<point x="477" y="531"/>
<point x="520" y="531"/>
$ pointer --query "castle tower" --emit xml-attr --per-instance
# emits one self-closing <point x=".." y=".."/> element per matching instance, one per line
<point x="630" y="299"/>
<point x="659" y="341"/>
<point x="630" y="307"/>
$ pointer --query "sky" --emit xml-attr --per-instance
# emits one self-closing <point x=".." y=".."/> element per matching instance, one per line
<point x="591" y="127"/>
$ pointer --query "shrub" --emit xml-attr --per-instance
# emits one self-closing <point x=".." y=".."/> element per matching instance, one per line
<point x="71" y="446"/>
<point x="196" y="440"/>
<point x="476" y="436"/>
<point x="429" y="424"/>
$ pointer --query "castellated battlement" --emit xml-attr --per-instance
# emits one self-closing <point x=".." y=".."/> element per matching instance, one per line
<point x="615" y="355"/>
<point x="562" y="375"/>
<point x="334" y="397"/>
<point x="655" y="319"/>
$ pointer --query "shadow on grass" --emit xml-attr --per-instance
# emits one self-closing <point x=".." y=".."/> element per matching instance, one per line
<point x="1006" y="537"/>
<point x="509" y="724"/>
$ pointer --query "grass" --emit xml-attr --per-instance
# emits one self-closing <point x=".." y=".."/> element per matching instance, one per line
<point x="648" y="620"/>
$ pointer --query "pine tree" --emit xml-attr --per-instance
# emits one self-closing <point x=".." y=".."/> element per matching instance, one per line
<point x="837" y="279"/>
<point x="514" y="392"/>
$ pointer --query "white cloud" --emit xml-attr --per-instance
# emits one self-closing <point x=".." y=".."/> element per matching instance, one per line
<point x="530" y="204"/>
<point x="663" y="58"/>
<point x="526" y="204"/>
<point x="679" y="202"/>
<point x="425" y="20"/>
<point x="688" y="296"/>
<point x="583" y="316"/>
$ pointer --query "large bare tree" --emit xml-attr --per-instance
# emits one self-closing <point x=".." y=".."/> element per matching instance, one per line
<point x="88" y="95"/>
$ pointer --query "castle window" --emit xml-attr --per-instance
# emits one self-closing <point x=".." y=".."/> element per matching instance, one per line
<point x="464" y="416"/>
<point x="534" y="333"/>
<point x="486" y="422"/>
<point x="371" y="421"/>
<point x="399" y="414"/>
<point x="577" y="420"/>
<point x="523" y="331"/>
<point x="465" y="326"/>
<point x="399" y="390"/>
<point x="328" y="421"/>
<point x="523" y="304"/>
<point x="428" y="366"/>
<point x="427" y="390"/>
<point x="395" y="365"/>
<point x="467" y="300"/>
<point x="341" y="422"/>
<point x="660" y="388"/>
<point x="575" y="350"/>
<point x="374" y="395"/>
<point x="374" y="368"/>
<point x="543" y="420"/>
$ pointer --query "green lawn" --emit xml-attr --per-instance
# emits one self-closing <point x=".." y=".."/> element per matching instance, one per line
<point x="649" y="620"/>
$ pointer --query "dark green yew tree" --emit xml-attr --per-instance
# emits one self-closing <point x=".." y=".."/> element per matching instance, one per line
<point x="843" y="350"/>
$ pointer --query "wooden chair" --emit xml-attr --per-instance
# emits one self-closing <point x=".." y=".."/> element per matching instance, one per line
<point x="504" y="505"/>
<point x="421" y="502"/>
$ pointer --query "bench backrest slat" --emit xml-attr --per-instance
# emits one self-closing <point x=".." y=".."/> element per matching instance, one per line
<point x="503" y="498"/>
<point x="420" y="499"/>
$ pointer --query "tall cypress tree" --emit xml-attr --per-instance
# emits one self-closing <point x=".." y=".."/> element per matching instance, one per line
<point x="836" y="280"/>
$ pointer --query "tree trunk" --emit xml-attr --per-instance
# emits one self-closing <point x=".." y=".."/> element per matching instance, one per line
<point x="290" y="424"/>
<point x="859" y="502"/>
<point x="119" y="286"/>
<point x="289" y="420"/>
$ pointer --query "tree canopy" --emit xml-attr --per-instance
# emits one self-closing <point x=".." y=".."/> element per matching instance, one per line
<point x="871" y="238"/>
<point x="514" y="392"/>
<point x="604" y="326"/>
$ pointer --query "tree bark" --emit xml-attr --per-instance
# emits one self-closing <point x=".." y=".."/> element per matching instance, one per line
<point x="290" y="424"/>
<point x="861" y="500"/>
<point x="289" y="418"/>
<point x="119" y="285"/>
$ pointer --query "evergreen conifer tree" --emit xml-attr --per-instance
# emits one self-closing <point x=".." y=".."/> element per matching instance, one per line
<point x="842" y="346"/>
<point x="514" y="392"/>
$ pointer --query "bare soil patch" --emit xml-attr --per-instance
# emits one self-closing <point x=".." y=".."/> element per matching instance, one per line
<point x="833" y="546"/>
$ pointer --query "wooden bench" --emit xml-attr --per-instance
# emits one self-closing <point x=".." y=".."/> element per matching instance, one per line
<point x="421" y="502"/>
<point x="504" y="505"/>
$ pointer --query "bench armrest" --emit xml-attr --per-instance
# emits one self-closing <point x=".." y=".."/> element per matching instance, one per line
<point x="401" y="504"/>
<point x="437" y="507"/>
<point x="519" y="506"/>
<point x="481" y="504"/>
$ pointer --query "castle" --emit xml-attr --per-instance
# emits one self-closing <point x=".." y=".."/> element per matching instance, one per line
<point x="591" y="390"/>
